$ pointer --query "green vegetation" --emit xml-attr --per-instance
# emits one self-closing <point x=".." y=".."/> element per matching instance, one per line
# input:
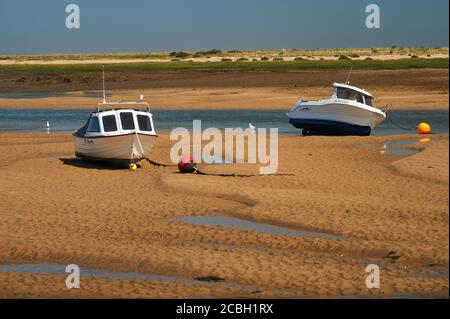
<point x="344" y="58"/>
<point x="210" y="52"/>
<point x="179" y="54"/>
<point x="278" y="66"/>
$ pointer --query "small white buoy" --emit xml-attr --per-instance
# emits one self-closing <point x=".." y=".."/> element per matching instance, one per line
<point x="142" y="97"/>
<point x="47" y="125"/>
<point x="251" y="127"/>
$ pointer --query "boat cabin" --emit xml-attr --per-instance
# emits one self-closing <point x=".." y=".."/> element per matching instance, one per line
<point x="120" y="121"/>
<point x="352" y="93"/>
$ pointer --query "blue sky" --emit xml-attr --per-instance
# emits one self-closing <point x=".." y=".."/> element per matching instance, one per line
<point x="38" y="27"/>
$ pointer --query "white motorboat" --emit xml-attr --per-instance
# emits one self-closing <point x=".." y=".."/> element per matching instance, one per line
<point x="349" y="111"/>
<point x="118" y="133"/>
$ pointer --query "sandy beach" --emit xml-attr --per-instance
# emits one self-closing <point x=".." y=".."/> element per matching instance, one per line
<point x="237" y="157"/>
<point x="359" y="203"/>
<point x="336" y="205"/>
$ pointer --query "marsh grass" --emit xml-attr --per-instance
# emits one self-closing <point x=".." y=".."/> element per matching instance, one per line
<point x="274" y="66"/>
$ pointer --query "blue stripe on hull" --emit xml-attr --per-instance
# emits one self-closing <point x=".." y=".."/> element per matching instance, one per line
<point x="324" y="127"/>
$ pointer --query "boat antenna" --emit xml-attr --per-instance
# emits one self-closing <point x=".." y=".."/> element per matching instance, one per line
<point x="104" y="95"/>
<point x="348" y="76"/>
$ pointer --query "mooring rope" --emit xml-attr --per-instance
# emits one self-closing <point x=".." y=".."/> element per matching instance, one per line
<point x="158" y="164"/>
<point x="197" y="171"/>
<point x="148" y="159"/>
<point x="399" y="126"/>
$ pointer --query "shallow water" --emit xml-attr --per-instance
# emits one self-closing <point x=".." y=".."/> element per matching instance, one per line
<point x="165" y="120"/>
<point x="432" y="272"/>
<point x="57" y="269"/>
<point x="243" y="224"/>
<point x="399" y="147"/>
<point x="395" y="147"/>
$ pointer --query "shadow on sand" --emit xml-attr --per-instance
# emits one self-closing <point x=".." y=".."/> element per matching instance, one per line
<point x="90" y="164"/>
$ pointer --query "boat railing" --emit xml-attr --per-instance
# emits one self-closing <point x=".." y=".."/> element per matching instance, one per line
<point x="107" y="105"/>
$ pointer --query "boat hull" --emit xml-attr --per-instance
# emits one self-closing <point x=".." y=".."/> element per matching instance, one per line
<point x="326" y="127"/>
<point x="335" y="117"/>
<point x="120" y="150"/>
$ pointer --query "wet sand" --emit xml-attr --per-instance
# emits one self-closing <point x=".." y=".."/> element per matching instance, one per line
<point x="425" y="89"/>
<point x="57" y="210"/>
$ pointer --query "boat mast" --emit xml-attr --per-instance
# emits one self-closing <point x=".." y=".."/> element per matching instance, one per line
<point x="348" y="76"/>
<point x="104" y="95"/>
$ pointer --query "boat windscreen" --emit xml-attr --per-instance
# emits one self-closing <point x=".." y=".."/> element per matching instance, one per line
<point x="144" y="123"/>
<point x="346" y="94"/>
<point x="94" y="125"/>
<point x="109" y="123"/>
<point x="126" y="118"/>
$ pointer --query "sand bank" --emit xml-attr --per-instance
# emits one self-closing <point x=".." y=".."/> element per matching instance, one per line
<point x="55" y="209"/>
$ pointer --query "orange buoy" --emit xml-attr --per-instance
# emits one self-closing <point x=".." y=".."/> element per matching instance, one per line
<point x="423" y="128"/>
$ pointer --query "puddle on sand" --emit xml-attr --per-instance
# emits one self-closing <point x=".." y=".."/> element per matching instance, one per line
<point x="60" y="270"/>
<point x="395" y="147"/>
<point x="432" y="272"/>
<point x="243" y="224"/>
<point x="398" y="147"/>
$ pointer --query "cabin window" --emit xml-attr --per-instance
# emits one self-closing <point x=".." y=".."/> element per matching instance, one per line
<point x="346" y="94"/>
<point x="109" y="123"/>
<point x="359" y="98"/>
<point x="126" y="118"/>
<point x="94" y="125"/>
<point x="144" y="123"/>
<point x="368" y="101"/>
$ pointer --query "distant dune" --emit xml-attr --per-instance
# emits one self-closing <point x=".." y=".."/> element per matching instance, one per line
<point x="356" y="54"/>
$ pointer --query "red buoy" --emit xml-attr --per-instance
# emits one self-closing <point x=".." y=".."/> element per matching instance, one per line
<point x="187" y="165"/>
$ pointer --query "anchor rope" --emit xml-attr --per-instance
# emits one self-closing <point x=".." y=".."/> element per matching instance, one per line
<point x="197" y="171"/>
<point x="154" y="163"/>
<point x="400" y="126"/>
